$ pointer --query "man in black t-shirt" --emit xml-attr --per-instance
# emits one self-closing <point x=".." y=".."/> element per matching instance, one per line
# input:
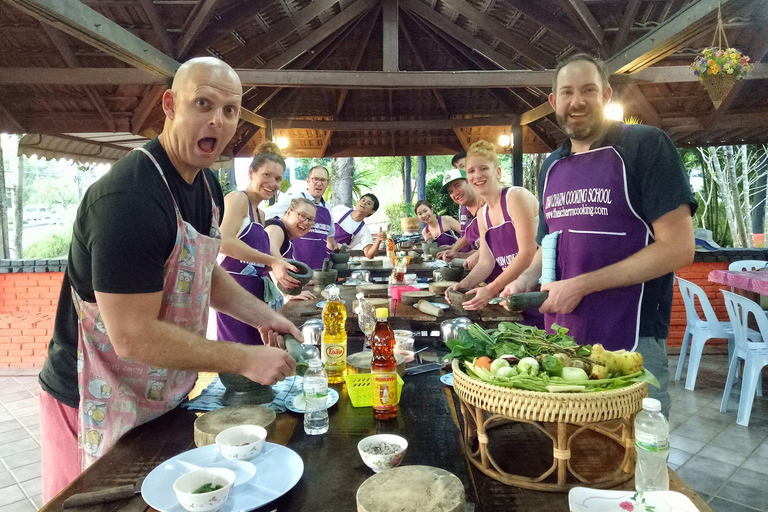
<point x="130" y="325"/>
<point x="619" y="198"/>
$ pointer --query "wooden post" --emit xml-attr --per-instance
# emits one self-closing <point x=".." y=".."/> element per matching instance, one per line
<point x="517" y="154"/>
<point x="390" y="36"/>
<point x="407" y="185"/>
<point x="421" y="178"/>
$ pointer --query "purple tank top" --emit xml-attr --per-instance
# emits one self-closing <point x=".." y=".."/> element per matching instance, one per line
<point x="287" y="248"/>
<point x="501" y="239"/>
<point x="585" y="198"/>
<point x="256" y="238"/>
<point x="444" y="238"/>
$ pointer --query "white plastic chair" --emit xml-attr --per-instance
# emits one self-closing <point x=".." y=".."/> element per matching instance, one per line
<point x="754" y="354"/>
<point x="748" y="265"/>
<point x="698" y="331"/>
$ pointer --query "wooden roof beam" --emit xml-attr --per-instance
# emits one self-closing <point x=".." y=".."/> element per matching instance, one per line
<point x="383" y="125"/>
<point x="585" y="22"/>
<point x="15" y="123"/>
<point x="220" y="25"/>
<point x="633" y="94"/>
<point x="390" y="51"/>
<point x="367" y="31"/>
<point x="630" y="13"/>
<point x="245" y="55"/>
<point x="518" y="43"/>
<point x="757" y="52"/>
<point x="151" y="97"/>
<point x="336" y="23"/>
<point x="545" y="18"/>
<point x="200" y="18"/>
<point x="247" y="134"/>
<point x="150" y="9"/>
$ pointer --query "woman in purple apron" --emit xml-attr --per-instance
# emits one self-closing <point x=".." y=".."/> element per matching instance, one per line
<point x="506" y="224"/>
<point x="245" y="244"/>
<point x="436" y="224"/>
<point x="286" y="232"/>
<point x="312" y="248"/>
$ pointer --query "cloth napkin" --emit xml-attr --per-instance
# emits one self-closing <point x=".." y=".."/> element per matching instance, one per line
<point x="210" y="398"/>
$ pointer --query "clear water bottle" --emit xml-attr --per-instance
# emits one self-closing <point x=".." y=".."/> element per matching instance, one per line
<point x="652" y="444"/>
<point x="316" y="399"/>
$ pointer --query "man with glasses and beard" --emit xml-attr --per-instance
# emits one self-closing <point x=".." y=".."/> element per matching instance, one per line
<point x="620" y="199"/>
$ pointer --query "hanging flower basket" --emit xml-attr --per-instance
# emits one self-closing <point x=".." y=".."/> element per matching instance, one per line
<point x="720" y="68"/>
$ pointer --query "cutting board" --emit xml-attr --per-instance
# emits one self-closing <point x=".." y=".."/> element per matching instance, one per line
<point x="412" y="489"/>
<point x="208" y="426"/>
<point x="373" y="290"/>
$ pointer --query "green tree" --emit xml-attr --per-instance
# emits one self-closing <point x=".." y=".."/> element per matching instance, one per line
<point x="55" y="245"/>
<point x="442" y="203"/>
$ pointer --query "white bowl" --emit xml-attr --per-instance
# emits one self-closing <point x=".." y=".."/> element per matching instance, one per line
<point x="243" y="442"/>
<point x="403" y="333"/>
<point x="185" y="485"/>
<point x="404" y="343"/>
<point x="379" y="463"/>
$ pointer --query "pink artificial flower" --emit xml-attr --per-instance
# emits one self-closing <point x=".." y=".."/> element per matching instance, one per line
<point x="625" y="505"/>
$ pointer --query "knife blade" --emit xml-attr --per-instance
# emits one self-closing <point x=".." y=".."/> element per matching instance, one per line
<point x="122" y="492"/>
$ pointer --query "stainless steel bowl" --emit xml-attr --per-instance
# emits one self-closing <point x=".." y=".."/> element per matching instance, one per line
<point x="363" y="275"/>
<point x="312" y="331"/>
<point x="450" y="329"/>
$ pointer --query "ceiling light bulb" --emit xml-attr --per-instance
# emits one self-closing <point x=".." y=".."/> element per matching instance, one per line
<point x="505" y="141"/>
<point x="614" y="111"/>
<point x="282" y="142"/>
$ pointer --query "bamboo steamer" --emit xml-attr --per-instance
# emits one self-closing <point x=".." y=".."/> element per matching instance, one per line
<point x="208" y="425"/>
<point x="409" y="298"/>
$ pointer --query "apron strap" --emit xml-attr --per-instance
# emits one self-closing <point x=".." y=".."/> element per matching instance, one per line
<point x="504" y="209"/>
<point x="488" y="224"/>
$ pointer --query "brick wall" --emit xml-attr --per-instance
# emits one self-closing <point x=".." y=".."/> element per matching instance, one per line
<point x="27" y="310"/>
<point x="697" y="273"/>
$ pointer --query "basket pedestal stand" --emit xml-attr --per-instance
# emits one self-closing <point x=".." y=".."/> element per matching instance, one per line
<point x="607" y="417"/>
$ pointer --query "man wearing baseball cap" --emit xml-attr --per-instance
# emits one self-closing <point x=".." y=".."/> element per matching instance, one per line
<point x="455" y="185"/>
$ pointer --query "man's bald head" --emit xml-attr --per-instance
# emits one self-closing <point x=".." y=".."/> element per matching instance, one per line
<point x="202" y="109"/>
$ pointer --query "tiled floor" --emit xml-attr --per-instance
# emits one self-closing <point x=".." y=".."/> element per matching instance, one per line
<point x="725" y="463"/>
<point x="20" y="488"/>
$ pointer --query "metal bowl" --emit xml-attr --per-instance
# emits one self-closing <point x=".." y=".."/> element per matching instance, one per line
<point x="450" y="329"/>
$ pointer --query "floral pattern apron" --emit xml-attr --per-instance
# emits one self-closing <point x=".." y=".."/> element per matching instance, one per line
<point x="344" y="237"/>
<point x="249" y="276"/>
<point x="118" y="394"/>
<point x="586" y="198"/>
<point x="312" y="248"/>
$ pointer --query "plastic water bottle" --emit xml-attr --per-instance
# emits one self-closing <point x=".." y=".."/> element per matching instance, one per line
<point x="652" y="444"/>
<point x="316" y="399"/>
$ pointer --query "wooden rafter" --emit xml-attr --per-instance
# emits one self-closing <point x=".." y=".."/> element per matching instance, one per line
<point x="150" y="98"/>
<point x="518" y="43"/>
<point x="627" y="19"/>
<point x="545" y="18"/>
<point x="245" y="55"/>
<point x="418" y="124"/>
<point x="245" y="137"/>
<point x="757" y="52"/>
<point x="582" y="17"/>
<point x="367" y="31"/>
<point x="61" y="44"/>
<point x="390" y="52"/>
<point x="392" y="132"/>
<point x="222" y="24"/>
<point x="15" y="123"/>
<point x="633" y="94"/>
<point x="200" y="18"/>
<point x="150" y="9"/>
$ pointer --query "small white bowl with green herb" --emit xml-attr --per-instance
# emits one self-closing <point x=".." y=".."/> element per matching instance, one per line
<point x="204" y="490"/>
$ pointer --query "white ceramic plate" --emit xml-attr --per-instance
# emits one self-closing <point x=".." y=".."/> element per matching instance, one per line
<point x="277" y="470"/>
<point x="447" y="379"/>
<point x="296" y="403"/>
<point x="584" y="499"/>
<point x="436" y="304"/>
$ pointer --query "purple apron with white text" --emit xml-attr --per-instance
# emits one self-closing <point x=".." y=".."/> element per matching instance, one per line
<point x="444" y="239"/>
<point x="312" y="248"/>
<point x="469" y="230"/>
<point x="249" y="276"/>
<point x="502" y="242"/>
<point x="288" y="247"/>
<point x="585" y="197"/>
<point x="342" y="235"/>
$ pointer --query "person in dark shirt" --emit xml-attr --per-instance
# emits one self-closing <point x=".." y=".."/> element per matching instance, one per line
<point x="129" y="334"/>
<point x="619" y="197"/>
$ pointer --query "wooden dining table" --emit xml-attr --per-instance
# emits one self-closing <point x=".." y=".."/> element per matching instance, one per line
<point x="333" y="469"/>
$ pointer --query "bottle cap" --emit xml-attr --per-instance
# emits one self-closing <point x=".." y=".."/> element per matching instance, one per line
<point x="360" y="296"/>
<point x="333" y="290"/>
<point x="382" y="313"/>
<point x="315" y="363"/>
<point x="402" y="254"/>
<point x="651" y="404"/>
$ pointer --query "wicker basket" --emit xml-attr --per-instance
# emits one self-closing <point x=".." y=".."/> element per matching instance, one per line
<point x="607" y="416"/>
<point x="718" y="86"/>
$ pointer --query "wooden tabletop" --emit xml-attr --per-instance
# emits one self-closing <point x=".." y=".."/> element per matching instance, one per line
<point x="333" y="470"/>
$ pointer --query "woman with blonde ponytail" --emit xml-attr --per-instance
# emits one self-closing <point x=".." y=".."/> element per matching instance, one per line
<point x="507" y="225"/>
<point x="245" y="243"/>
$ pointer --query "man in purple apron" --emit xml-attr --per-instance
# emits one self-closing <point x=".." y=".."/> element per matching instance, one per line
<point x="619" y="196"/>
<point x="129" y="334"/>
<point x="312" y="248"/>
<point x="351" y="228"/>
<point x="455" y="185"/>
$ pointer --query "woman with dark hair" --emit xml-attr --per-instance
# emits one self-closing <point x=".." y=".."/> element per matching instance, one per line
<point x="296" y="223"/>
<point x="351" y="228"/>
<point x="441" y="228"/>
<point x="245" y="243"/>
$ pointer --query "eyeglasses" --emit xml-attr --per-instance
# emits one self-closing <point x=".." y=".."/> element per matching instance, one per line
<point x="319" y="181"/>
<point x="304" y="218"/>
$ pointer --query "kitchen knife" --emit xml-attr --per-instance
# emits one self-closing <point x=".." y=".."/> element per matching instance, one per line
<point x="85" y="499"/>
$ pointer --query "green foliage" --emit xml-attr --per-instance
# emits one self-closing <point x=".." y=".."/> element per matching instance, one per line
<point x="395" y="212"/>
<point x="55" y="245"/>
<point x="443" y="204"/>
<point x="226" y="185"/>
<point x="303" y="166"/>
<point x="711" y="213"/>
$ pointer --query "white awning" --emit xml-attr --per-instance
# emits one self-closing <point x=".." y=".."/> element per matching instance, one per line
<point x="90" y="148"/>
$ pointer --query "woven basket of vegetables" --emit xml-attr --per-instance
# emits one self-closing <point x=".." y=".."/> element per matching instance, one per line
<point x="524" y="373"/>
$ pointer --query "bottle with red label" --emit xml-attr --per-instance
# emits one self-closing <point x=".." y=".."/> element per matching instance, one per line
<point x="383" y="368"/>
